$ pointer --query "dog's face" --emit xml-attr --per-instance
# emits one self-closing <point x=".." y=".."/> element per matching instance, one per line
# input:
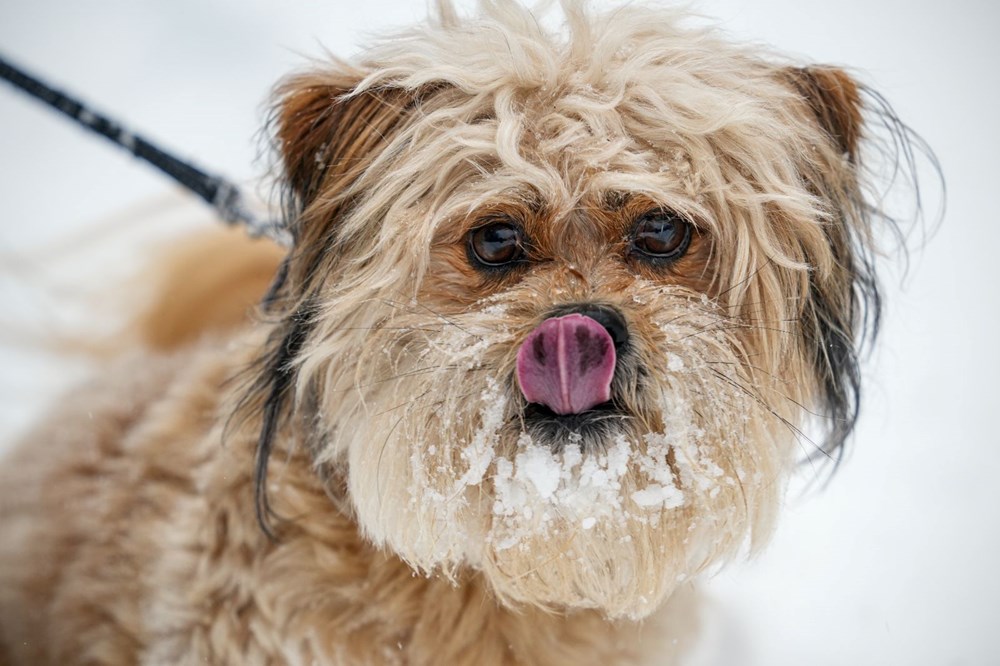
<point x="557" y="309"/>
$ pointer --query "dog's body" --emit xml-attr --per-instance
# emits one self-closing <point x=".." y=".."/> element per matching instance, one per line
<point x="553" y="319"/>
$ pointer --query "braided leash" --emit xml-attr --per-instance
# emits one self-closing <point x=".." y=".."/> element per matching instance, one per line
<point x="221" y="194"/>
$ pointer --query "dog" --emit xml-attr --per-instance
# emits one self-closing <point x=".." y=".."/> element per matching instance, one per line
<point x="561" y="313"/>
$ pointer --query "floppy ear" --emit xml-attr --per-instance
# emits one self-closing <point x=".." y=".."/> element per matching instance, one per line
<point x="843" y="310"/>
<point x="835" y="100"/>
<point x="843" y="307"/>
<point x="327" y="133"/>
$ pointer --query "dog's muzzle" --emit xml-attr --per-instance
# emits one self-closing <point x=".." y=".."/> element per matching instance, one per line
<point x="567" y="364"/>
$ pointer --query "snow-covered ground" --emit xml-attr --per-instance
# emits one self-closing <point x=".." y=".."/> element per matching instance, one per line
<point x="893" y="563"/>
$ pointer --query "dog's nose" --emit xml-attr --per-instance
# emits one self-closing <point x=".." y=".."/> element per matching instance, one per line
<point x="607" y="317"/>
<point x="568" y="362"/>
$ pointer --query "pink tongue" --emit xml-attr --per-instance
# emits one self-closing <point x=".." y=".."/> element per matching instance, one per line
<point x="567" y="364"/>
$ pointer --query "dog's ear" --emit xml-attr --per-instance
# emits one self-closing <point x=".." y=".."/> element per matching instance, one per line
<point x="327" y="132"/>
<point x="835" y="100"/>
<point x="328" y="129"/>
<point x="843" y="306"/>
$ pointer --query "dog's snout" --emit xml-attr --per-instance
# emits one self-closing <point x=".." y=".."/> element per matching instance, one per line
<point x="607" y="316"/>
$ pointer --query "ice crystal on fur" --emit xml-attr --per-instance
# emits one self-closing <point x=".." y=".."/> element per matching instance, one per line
<point x="543" y="490"/>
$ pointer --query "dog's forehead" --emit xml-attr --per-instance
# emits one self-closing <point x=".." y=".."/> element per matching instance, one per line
<point x="634" y="96"/>
<point x="553" y="153"/>
<point x="554" y="186"/>
<point x="582" y="142"/>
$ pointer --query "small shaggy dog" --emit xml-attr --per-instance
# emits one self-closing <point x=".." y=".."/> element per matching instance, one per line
<point x="557" y="310"/>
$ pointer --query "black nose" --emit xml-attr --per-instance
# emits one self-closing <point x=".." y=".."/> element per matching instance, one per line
<point x="605" y="315"/>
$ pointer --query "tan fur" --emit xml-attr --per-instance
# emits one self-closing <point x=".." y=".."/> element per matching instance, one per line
<point x="208" y="283"/>
<point x="410" y="525"/>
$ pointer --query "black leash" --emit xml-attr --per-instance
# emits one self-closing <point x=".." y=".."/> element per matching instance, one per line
<point x="222" y="195"/>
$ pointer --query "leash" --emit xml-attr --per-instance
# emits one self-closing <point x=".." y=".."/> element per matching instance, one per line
<point x="218" y="192"/>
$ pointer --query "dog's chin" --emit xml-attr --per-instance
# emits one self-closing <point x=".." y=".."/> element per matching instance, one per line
<point x="563" y="513"/>
<point x="623" y="567"/>
<point x="564" y="532"/>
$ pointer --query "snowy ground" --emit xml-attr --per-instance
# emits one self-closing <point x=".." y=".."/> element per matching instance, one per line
<point x="893" y="563"/>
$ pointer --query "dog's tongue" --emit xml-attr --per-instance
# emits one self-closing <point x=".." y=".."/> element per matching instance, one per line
<point x="567" y="364"/>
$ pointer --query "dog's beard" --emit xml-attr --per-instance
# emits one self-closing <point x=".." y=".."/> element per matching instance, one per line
<point x="448" y="470"/>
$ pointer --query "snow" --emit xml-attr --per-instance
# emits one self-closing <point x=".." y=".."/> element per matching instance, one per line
<point x="655" y="495"/>
<point x="542" y="484"/>
<point x="675" y="363"/>
<point x="480" y="452"/>
<point x="541" y="468"/>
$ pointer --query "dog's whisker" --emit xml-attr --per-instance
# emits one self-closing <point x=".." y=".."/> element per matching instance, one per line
<point x="795" y="430"/>
<point x="381" y="453"/>
<point x="407" y="375"/>
<point x="424" y="307"/>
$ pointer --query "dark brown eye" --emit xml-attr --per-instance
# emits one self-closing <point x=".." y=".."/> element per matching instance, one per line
<point x="496" y="244"/>
<point x="661" y="236"/>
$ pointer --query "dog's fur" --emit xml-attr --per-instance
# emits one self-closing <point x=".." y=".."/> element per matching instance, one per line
<point x="352" y="479"/>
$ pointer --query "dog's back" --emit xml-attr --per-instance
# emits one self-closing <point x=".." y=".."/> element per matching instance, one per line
<point x="207" y="283"/>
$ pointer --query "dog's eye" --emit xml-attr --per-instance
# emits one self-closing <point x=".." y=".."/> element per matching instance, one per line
<point x="661" y="235"/>
<point x="496" y="244"/>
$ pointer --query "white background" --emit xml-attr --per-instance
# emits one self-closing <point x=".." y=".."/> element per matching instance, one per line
<point x="894" y="562"/>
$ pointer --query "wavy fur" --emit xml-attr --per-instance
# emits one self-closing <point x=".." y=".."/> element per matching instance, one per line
<point x="414" y="510"/>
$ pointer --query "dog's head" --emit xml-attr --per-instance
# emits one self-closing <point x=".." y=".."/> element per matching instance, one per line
<point x="558" y="307"/>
